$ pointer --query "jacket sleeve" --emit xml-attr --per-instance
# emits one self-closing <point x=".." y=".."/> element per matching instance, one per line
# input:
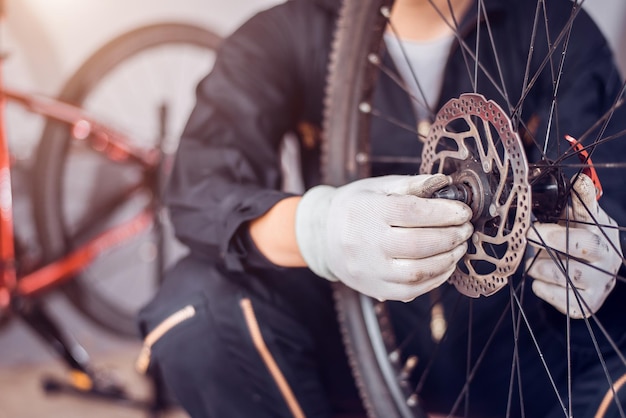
<point x="227" y="168"/>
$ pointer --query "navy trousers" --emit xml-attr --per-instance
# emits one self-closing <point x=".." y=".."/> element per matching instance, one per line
<point x="257" y="346"/>
<point x="266" y="344"/>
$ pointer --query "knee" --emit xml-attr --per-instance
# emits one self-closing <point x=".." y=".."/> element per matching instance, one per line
<point x="182" y="343"/>
<point x="190" y="282"/>
<point x="192" y="336"/>
<point x="185" y="353"/>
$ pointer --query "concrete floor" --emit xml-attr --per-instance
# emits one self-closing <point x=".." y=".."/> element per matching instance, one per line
<point x="26" y="362"/>
<point x="22" y="394"/>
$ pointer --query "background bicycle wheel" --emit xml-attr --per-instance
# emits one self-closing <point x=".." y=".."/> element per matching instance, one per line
<point x="47" y="42"/>
<point x="142" y="84"/>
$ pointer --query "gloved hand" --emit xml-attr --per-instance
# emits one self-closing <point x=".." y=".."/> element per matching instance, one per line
<point x="382" y="236"/>
<point x="590" y="247"/>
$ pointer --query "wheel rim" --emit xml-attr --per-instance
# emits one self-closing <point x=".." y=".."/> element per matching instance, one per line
<point x="355" y="159"/>
<point x="126" y="290"/>
<point x="142" y="85"/>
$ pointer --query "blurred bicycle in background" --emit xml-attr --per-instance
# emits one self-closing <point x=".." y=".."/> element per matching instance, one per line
<point x="98" y="173"/>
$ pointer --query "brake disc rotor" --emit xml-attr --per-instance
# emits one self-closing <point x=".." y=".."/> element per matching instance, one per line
<point x="473" y="141"/>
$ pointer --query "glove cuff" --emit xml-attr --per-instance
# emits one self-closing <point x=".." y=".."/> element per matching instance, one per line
<point x="311" y="220"/>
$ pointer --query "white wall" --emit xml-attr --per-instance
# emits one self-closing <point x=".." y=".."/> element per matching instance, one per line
<point x="49" y="39"/>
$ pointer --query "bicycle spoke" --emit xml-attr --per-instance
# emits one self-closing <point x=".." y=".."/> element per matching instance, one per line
<point x="539" y="353"/>
<point x="557" y="258"/>
<point x="584" y="308"/>
<point x="98" y="217"/>
<point x="422" y="380"/>
<point x="468" y="358"/>
<point x="534" y="91"/>
<point x="516" y="370"/>
<point x="422" y="99"/>
<point x="124" y="85"/>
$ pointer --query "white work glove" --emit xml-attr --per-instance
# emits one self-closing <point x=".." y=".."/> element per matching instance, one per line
<point x="382" y="236"/>
<point x="599" y="248"/>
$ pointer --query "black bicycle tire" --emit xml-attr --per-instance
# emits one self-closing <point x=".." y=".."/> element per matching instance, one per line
<point x="359" y="22"/>
<point x="51" y="154"/>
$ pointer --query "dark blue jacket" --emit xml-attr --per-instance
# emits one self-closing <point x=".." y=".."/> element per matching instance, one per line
<point x="269" y="79"/>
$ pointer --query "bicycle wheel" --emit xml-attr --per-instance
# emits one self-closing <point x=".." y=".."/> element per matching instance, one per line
<point x="141" y="84"/>
<point x="484" y="344"/>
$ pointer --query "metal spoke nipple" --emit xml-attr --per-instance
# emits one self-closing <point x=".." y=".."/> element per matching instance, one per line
<point x="365" y="107"/>
<point x="373" y="58"/>
<point x="409" y="365"/>
<point x="394" y="356"/>
<point x="412" y="400"/>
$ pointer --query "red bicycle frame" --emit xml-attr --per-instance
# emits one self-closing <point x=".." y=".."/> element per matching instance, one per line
<point x="106" y="141"/>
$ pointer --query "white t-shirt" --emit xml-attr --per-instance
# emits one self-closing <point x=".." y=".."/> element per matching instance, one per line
<point x="421" y="65"/>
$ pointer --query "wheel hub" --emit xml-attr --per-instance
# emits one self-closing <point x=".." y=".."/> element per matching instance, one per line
<point x="473" y="141"/>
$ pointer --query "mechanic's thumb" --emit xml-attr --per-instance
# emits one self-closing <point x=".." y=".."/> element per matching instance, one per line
<point x="426" y="186"/>
<point x="584" y="204"/>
